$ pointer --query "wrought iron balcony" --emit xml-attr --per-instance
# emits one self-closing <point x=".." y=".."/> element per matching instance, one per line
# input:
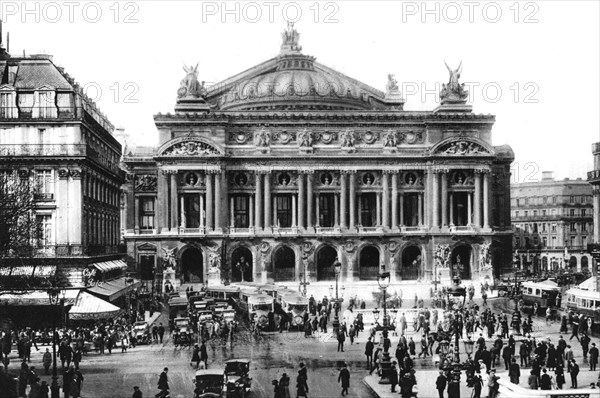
<point x="45" y="113"/>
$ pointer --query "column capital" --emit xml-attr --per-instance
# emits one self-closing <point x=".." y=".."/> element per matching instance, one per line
<point x="306" y="171"/>
<point x="213" y="171"/>
<point x="441" y="171"/>
<point x="390" y="171"/>
<point x="348" y="171"/>
<point x="482" y="171"/>
<point x="262" y="172"/>
<point x="169" y="172"/>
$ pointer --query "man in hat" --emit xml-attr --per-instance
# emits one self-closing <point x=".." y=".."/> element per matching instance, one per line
<point x="440" y="383"/>
<point x="303" y="376"/>
<point x="493" y="385"/>
<point x="344" y="378"/>
<point x="393" y="376"/>
<point x="136" y="392"/>
<point x="593" y="357"/>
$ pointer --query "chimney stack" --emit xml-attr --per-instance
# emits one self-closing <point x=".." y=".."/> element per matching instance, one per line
<point x="547" y="175"/>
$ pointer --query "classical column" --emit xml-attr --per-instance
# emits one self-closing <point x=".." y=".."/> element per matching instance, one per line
<point x="162" y="199"/>
<point x="294" y="212"/>
<point x="301" y="200"/>
<point x="309" y="200"/>
<point x="318" y="212"/>
<point x="251" y="206"/>
<point x="421" y="208"/>
<point x="218" y="200"/>
<point x="596" y="192"/>
<point x="486" y="200"/>
<point x="231" y="213"/>
<point x="343" y="199"/>
<point x="477" y="199"/>
<point x="202" y="211"/>
<point x="210" y="192"/>
<point x="451" y="221"/>
<point x="352" y="199"/>
<point x="76" y="205"/>
<point x="174" y="218"/>
<point x="223" y="199"/>
<point x="336" y="203"/>
<point x="401" y="204"/>
<point x="385" y="208"/>
<point x="183" y="215"/>
<point x="378" y="209"/>
<point x="469" y="209"/>
<point x="258" y="222"/>
<point x="444" y="177"/>
<point x="435" y="201"/>
<point x="427" y="186"/>
<point x="267" y="201"/>
<point x="395" y="200"/>
<point x="136" y="215"/>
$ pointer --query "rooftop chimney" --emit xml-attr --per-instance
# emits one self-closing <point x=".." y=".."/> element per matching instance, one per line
<point x="547" y="175"/>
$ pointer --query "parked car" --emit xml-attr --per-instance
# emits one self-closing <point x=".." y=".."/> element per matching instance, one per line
<point x="141" y="331"/>
<point x="210" y="383"/>
<point x="237" y="379"/>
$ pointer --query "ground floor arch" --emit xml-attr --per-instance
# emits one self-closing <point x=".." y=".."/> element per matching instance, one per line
<point x="461" y="260"/>
<point x="544" y="264"/>
<point x="192" y="265"/>
<point x="284" y="264"/>
<point x="241" y="265"/>
<point x="585" y="264"/>
<point x="573" y="262"/>
<point x="368" y="263"/>
<point x="411" y="263"/>
<point x="325" y="257"/>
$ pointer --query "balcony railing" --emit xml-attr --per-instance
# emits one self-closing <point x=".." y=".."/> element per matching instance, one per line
<point x="78" y="250"/>
<point x="45" y="113"/>
<point x="44" y="197"/>
<point x="43" y="150"/>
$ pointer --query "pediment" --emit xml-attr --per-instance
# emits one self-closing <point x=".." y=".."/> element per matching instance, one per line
<point x="147" y="247"/>
<point x="462" y="147"/>
<point x="189" y="147"/>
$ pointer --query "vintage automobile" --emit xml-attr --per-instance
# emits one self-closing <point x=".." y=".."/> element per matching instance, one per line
<point x="237" y="379"/>
<point x="210" y="383"/>
<point x="296" y="306"/>
<point x="141" y="331"/>
<point x="182" y="331"/>
<point x="204" y="316"/>
<point x="225" y="314"/>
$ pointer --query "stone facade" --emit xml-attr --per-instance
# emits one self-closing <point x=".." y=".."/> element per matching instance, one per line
<point x="553" y="223"/>
<point x="54" y="135"/>
<point x="289" y="165"/>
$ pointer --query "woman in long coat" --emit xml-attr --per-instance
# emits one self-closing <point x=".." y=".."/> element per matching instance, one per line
<point x="560" y="375"/>
<point x="284" y="385"/>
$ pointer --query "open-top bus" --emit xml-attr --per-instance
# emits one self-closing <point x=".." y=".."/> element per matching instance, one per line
<point x="296" y="306"/>
<point x="538" y="296"/>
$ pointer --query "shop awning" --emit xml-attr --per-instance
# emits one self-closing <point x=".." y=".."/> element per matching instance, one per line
<point x="107" y="266"/>
<point x="88" y="307"/>
<point x="36" y="297"/>
<point x="112" y="290"/>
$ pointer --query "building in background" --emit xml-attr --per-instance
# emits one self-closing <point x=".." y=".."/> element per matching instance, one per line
<point x="594" y="180"/>
<point x="279" y="171"/>
<point x="553" y="224"/>
<point x="55" y="140"/>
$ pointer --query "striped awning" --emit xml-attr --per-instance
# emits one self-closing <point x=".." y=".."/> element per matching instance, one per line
<point x="107" y="266"/>
<point x="36" y="297"/>
<point x="114" y="289"/>
<point x="88" y="307"/>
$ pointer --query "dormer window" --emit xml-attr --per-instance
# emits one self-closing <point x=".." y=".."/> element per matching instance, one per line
<point x="8" y="109"/>
<point x="45" y="104"/>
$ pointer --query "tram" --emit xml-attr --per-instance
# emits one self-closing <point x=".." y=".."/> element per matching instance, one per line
<point x="296" y="306"/>
<point x="536" y="297"/>
<point x="585" y="300"/>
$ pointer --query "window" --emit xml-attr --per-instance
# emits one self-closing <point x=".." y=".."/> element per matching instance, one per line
<point x="553" y="212"/>
<point x="518" y="242"/>
<point x="44" y="181"/>
<point x="572" y="199"/>
<point x="535" y="213"/>
<point x="526" y="201"/>
<point x="544" y="212"/>
<point x="518" y="202"/>
<point x="583" y="212"/>
<point x="190" y="218"/>
<point x="583" y="227"/>
<point x="553" y="227"/>
<point x="545" y="199"/>
<point x="554" y="200"/>
<point x="283" y="205"/>
<point x="146" y="212"/>
<point x="241" y="206"/>
<point x="45" y="106"/>
<point x="554" y="241"/>
<point x="544" y="241"/>
<point x="572" y="227"/>
<point x="45" y="235"/>
<point x="572" y="212"/>
<point x="572" y="241"/>
<point x="517" y="213"/>
<point x="7" y="105"/>
<point x="584" y="241"/>
<point x="326" y="210"/>
<point x="544" y="227"/>
<point x="368" y="209"/>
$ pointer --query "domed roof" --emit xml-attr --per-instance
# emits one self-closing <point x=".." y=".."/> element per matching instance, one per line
<point x="297" y="83"/>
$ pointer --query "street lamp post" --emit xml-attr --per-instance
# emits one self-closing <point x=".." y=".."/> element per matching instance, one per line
<point x="54" y="294"/>
<point x="383" y="279"/>
<point x="304" y="282"/>
<point x="338" y="300"/>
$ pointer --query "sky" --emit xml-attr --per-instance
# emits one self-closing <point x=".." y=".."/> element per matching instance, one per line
<point x="535" y="65"/>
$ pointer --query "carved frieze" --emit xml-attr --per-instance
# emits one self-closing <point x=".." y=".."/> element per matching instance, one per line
<point x="239" y="137"/>
<point x="411" y="179"/>
<point x="369" y="179"/>
<point x="347" y="140"/>
<point x="284" y="137"/>
<point x="462" y="148"/>
<point x="410" y="137"/>
<point x="369" y="137"/>
<point x="145" y="182"/>
<point x="461" y="178"/>
<point x="305" y="138"/>
<point x="390" y="138"/>
<point x="327" y="137"/>
<point x="190" y="148"/>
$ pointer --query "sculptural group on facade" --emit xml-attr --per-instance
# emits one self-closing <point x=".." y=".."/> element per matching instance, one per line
<point x="191" y="148"/>
<point x="262" y="138"/>
<point x="392" y="84"/>
<point x="347" y="138"/>
<point x="454" y="91"/>
<point x="290" y="37"/>
<point x="169" y="257"/>
<point x="389" y="138"/>
<point x="190" y="86"/>
<point x="485" y="260"/>
<point x="305" y="138"/>
<point x="442" y="256"/>
<point x="463" y="148"/>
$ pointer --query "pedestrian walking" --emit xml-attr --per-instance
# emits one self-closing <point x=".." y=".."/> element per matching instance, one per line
<point x="195" y="356"/>
<point x="560" y="376"/>
<point x="393" y="376"/>
<point x="593" y="357"/>
<point x="300" y="390"/>
<point x="284" y="386"/>
<point x="406" y="385"/>
<point x="161" y="332"/>
<point x="47" y="361"/>
<point x="163" y="384"/>
<point x="545" y="380"/>
<point x="514" y="372"/>
<point x="204" y="354"/>
<point x="440" y="384"/>
<point x="303" y="377"/>
<point x="344" y="378"/>
<point x="477" y="385"/>
<point x="136" y="392"/>
<point x="341" y="337"/>
<point x="574" y="372"/>
<point x="369" y="346"/>
<point x="351" y="334"/>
